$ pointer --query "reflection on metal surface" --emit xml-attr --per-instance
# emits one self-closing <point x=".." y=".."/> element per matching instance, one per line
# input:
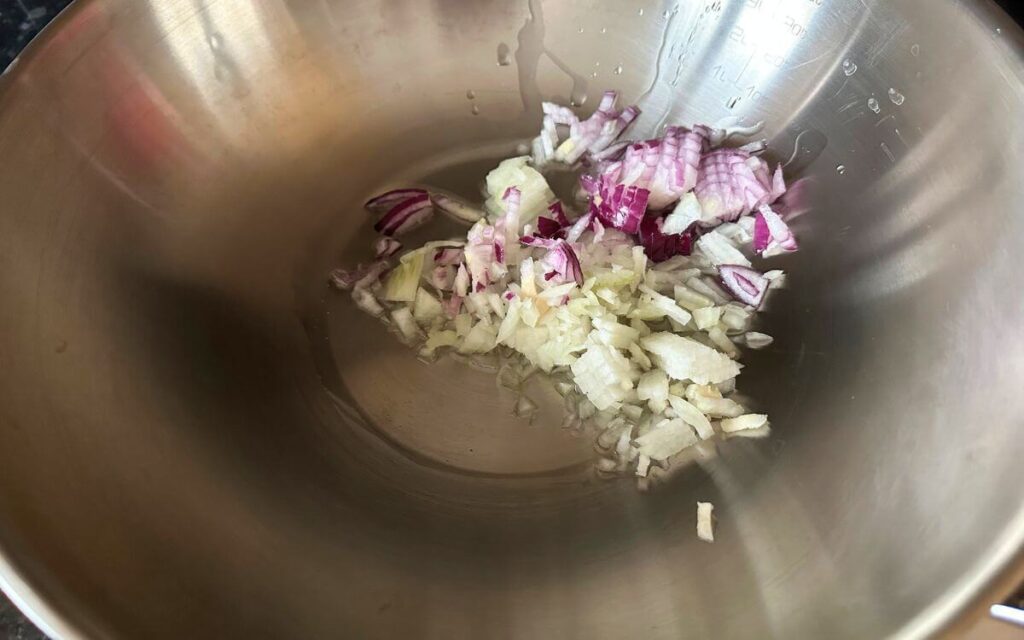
<point x="238" y="451"/>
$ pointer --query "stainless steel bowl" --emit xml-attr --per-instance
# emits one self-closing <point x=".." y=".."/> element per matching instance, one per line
<point x="197" y="439"/>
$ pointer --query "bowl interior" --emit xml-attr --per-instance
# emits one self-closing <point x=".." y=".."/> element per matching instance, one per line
<point x="195" y="433"/>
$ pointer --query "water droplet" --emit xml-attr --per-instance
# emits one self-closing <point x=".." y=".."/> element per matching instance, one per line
<point x="475" y="110"/>
<point x="597" y="63"/>
<point x="998" y="30"/>
<point x="593" y="75"/>
<point x="873" y="105"/>
<point x="504" y="55"/>
<point x="216" y="41"/>
<point x="617" y="70"/>
<point x="666" y="14"/>
<point x="915" y="49"/>
<point x="640" y="12"/>
<point x="578" y="99"/>
<point x="580" y="30"/>
<point x="841" y="169"/>
<point x="849" y="67"/>
<point x="895" y="97"/>
<point x="604" y="29"/>
<point x="470" y="95"/>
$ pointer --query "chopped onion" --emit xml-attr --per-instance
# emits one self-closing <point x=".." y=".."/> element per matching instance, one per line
<point x="686" y="359"/>
<point x="636" y="307"/>
<point x="705" y="525"/>
<point x="771" y="234"/>
<point x="756" y="340"/>
<point x="385" y="247"/>
<point x="744" y="422"/>
<point x="405" y="215"/>
<point x="389" y="199"/>
<point x="744" y="283"/>
<point x="719" y="250"/>
<point x="455" y="209"/>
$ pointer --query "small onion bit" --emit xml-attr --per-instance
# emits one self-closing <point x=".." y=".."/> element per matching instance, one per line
<point x="745" y="284"/>
<point x="388" y="199"/>
<point x="386" y="247"/>
<point x="407" y="214"/>
<point x="561" y="261"/>
<point x="771" y="233"/>
<point x="456" y="209"/>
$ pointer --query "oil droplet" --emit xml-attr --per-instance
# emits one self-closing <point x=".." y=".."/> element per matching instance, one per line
<point x="841" y="169"/>
<point x="873" y="105"/>
<point x="640" y="12"/>
<point x="915" y="50"/>
<point x="475" y="110"/>
<point x="895" y="97"/>
<point x="849" y="67"/>
<point x="504" y="55"/>
<point x="617" y="70"/>
<point x="470" y="95"/>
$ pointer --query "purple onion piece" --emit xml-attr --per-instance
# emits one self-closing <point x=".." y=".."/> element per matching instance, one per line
<point x="537" y="241"/>
<point x="359" y="278"/>
<point x="745" y="284"/>
<point x="405" y="215"/>
<point x="385" y="247"/>
<point x="388" y="199"/>
<point x="621" y="207"/>
<point x="660" y="246"/>
<point x="448" y="256"/>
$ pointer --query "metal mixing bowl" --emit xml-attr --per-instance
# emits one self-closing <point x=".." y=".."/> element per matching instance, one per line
<point x="198" y="439"/>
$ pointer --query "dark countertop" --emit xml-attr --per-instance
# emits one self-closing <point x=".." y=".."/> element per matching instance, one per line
<point x="20" y="21"/>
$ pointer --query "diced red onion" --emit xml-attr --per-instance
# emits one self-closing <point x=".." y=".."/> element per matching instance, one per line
<point x="548" y="228"/>
<point x="536" y="241"/>
<point x="598" y="131"/>
<point x="359" y="278"/>
<point x="558" y="213"/>
<point x="659" y="246"/>
<point x="745" y="284"/>
<point x="554" y="226"/>
<point x="561" y="261"/>
<point x="621" y="206"/>
<point x="667" y="167"/>
<point x="448" y="255"/>
<point x="405" y="215"/>
<point x="771" y="232"/>
<point x="732" y="183"/>
<point x="761" y="234"/>
<point x="388" y="199"/>
<point x="386" y="246"/>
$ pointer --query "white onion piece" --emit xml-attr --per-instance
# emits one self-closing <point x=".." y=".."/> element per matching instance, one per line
<point x="744" y="422"/>
<point x="705" y="525"/>
<point x="757" y="340"/>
